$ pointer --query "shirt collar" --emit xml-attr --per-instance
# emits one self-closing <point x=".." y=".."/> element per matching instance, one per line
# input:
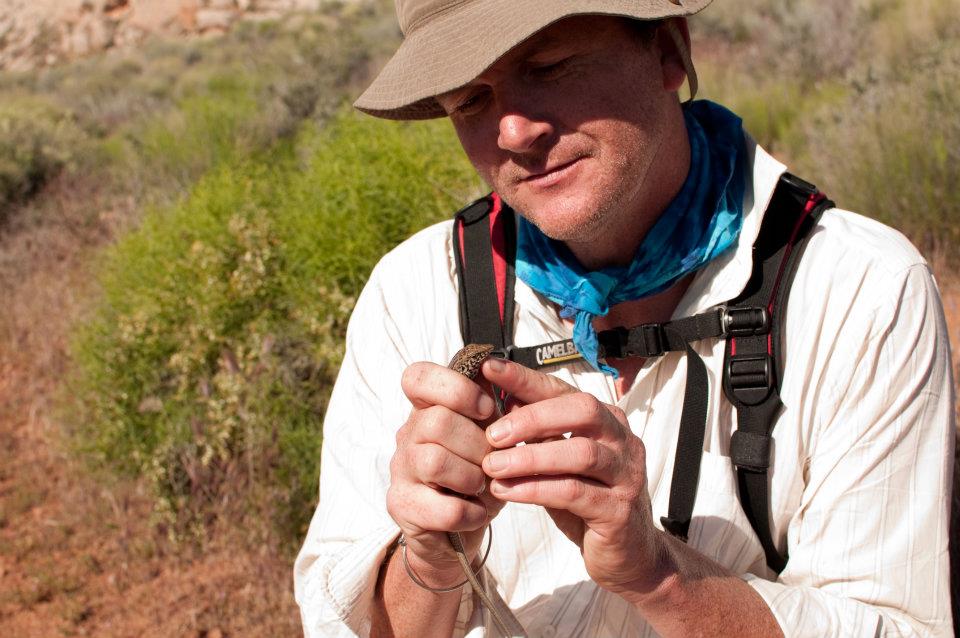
<point x="723" y="278"/>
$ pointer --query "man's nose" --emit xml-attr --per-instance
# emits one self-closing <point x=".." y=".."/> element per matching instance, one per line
<point x="520" y="133"/>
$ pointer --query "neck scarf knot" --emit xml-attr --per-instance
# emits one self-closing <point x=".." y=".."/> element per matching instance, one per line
<point x="701" y="223"/>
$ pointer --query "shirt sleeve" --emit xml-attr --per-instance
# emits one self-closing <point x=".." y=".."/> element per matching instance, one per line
<point x="336" y="570"/>
<point x="868" y="544"/>
<point x="393" y="324"/>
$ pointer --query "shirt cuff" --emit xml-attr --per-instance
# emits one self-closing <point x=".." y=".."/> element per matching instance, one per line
<point x="808" y="611"/>
<point x="340" y="589"/>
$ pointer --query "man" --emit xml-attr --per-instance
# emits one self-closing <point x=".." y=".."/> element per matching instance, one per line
<point x="570" y="112"/>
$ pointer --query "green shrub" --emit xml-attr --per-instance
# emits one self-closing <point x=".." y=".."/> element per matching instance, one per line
<point x="171" y="109"/>
<point x="860" y="98"/>
<point x="207" y="365"/>
<point x="892" y="151"/>
<point x="36" y="142"/>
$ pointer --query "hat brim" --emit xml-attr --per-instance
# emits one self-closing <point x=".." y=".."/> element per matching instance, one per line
<point x="457" y="45"/>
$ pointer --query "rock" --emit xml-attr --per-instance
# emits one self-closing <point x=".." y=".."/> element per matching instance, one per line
<point x="188" y="15"/>
<point x="45" y="32"/>
<point x="91" y="33"/>
<point x="153" y="15"/>
<point x="208" y="19"/>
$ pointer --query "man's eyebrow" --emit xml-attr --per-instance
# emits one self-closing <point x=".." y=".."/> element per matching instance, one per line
<point x="540" y="41"/>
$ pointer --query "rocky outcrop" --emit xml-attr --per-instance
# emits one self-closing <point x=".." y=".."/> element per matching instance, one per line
<point x="36" y="33"/>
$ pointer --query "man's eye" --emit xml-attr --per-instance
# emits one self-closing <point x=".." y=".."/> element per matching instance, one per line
<point x="549" y="71"/>
<point x="470" y="104"/>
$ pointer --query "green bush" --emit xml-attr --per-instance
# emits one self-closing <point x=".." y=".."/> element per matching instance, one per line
<point x="892" y="150"/>
<point x="207" y="365"/>
<point x="167" y="111"/>
<point x="859" y="98"/>
<point x="37" y="141"/>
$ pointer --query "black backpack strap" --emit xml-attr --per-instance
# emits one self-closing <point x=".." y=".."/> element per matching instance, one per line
<point x="484" y="239"/>
<point x="753" y="364"/>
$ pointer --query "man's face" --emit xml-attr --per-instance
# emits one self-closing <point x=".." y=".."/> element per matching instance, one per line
<point x="566" y="126"/>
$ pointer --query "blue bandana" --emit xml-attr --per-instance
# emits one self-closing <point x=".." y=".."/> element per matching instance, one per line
<point x="702" y="222"/>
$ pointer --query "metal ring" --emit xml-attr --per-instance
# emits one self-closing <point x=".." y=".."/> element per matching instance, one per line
<point x="402" y="542"/>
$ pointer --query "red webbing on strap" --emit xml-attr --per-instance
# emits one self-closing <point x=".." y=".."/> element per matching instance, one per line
<point x="498" y="245"/>
<point x="811" y="204"/>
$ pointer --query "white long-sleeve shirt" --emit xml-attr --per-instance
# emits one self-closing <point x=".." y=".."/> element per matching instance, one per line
<point x="861" y="462"/>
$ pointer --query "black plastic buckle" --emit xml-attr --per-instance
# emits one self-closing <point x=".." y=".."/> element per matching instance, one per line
<point x="613" y="342"/>
<point x="750" y="377"/>
<point x="646" y="340"/>
<point x="744" y="322"/>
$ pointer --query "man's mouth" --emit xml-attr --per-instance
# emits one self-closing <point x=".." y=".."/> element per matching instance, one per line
<point x="552" y="175"/>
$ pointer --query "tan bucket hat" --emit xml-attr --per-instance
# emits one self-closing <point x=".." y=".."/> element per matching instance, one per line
<point x="447" y="43"/>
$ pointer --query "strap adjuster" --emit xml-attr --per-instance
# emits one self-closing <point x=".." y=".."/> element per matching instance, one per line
<point x="744" y="322"/>
<point x="750" y="377"/>
<point x="613" y="342"/>
<point x="646" y="341"/>
<point x="750" y="451"/>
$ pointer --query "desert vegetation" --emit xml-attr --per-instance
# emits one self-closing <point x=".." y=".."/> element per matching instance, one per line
<point x="184" y="228"/>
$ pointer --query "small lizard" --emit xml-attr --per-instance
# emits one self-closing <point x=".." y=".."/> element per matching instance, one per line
<point x="467" y="362"/>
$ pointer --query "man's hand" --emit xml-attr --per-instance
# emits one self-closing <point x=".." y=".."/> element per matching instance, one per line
<point x="437" y="484"/>
<point x="593" y="484"/>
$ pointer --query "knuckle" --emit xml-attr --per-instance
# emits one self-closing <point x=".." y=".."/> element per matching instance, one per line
<point x="433" y="460"/>
<point x="412" y="378"/>
<point x="589" y="404"/>
<point x="525" y="377"/>
<point x="451" y="516"/>
<point x="520" y="456"/>
<point x="588" y="452"/>
<point x="571" y="489"/>
<point x="434" y="424"/>
<point x="618" y="413"/>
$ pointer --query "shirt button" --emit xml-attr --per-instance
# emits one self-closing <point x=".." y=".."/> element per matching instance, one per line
<point x="549" y="631"/>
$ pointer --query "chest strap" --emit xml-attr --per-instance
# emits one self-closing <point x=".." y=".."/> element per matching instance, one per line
<point x="751" y="324"/>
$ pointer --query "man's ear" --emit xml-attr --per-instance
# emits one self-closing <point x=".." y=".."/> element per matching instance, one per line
<point x="674" y="42"/>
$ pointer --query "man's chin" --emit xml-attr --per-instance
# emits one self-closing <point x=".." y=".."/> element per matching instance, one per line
<point x="561" y="220"/>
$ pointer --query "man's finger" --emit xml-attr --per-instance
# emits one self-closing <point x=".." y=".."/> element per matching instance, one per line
<point x="522" y="383"/>
<point x="453" y="431"/>
<point x="436" y="466"/>
<point x="579" y="413"/>
<point x="427" y="509"/>
<point x="427" y="384"/>
<point x="579" y="496"/>
<point x="579" y="456"/>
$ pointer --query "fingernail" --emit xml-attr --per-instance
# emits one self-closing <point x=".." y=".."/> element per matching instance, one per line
<point x="497" y="461"/>
<point x="497" y="487"/>
<point x="485" y="404"/>
<point x="483" y="488"/>
<point x="496" y="365"/>
<point x="500" y="431"/>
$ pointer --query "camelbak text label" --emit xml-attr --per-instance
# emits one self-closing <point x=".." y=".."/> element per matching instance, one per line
<point x="556" y="352"/>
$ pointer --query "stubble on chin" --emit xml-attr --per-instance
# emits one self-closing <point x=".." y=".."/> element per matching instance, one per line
<point x="582" y="218"/>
